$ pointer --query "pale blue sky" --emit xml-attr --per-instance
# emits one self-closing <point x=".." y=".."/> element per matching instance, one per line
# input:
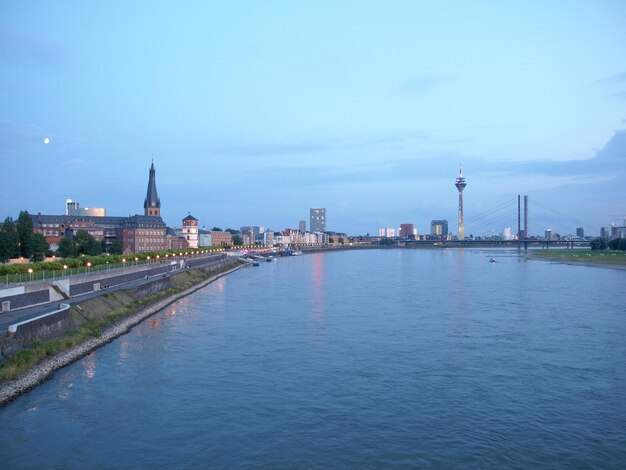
<point x="257" y="111"/>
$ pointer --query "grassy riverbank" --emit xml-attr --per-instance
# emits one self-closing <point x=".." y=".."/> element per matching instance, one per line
<point x="91" y="318"/>
<point x="592" y="257"/>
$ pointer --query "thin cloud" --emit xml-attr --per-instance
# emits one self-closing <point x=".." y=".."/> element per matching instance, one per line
<point x="618" y="96"/>
<point x="74" y="164"/>
<point x="424" y="83"/>
<point x="619" y="78"/>
<point x="313" y="146"/>
<point x="17" y="48"/>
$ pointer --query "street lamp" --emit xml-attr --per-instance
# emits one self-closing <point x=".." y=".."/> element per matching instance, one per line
<point x="88" y="266"/>
<point x="30" y="271"/>
<point x="136" y="260"/>
<point x="64" y="269"/>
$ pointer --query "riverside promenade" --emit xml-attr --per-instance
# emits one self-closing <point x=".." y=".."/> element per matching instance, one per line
<point x="40" y="297"/>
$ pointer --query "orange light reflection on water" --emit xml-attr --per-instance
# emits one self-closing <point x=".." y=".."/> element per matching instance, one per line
<point x="319" y="290"/>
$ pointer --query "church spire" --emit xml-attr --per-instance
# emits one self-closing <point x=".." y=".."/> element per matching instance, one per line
<point x="152" y="204"/>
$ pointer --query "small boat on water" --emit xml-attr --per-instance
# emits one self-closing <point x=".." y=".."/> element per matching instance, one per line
<point x="296" y="253"/>
<point x="492" y="260"/>
<point x="269" y="260"/>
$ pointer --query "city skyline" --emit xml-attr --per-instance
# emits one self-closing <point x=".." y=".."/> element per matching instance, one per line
<point x="252" y="115"/>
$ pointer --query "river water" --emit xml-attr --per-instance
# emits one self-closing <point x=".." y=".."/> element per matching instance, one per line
<point x="378" y="358"/>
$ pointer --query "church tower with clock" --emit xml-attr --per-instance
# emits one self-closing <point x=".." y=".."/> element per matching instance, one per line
<point x="152" y="204"/>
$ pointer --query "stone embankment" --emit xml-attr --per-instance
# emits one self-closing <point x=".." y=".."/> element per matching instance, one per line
<point x="45" y="369"/>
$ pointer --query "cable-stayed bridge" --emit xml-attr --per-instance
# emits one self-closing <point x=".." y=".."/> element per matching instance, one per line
<point x="518" y="222"/>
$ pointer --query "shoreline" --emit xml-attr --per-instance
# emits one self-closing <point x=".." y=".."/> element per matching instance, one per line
<point x="46" y="369"/>
<point x="590" y="264"/>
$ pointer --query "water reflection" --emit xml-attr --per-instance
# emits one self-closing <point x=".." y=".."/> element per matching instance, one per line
<point x="319" y="289"/>
<point x="89" y="364"/>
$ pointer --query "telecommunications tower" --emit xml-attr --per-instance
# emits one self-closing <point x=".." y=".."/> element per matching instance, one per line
<point x="460" y="185"/>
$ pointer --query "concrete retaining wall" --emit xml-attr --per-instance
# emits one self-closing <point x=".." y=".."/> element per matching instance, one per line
<point x="43" y="329"/>
<point x="29" y="298"/>
<point x="55" y="326"/>
<point x="87" y="286"/>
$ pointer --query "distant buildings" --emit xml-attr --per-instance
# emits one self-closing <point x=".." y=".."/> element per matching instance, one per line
<point x="190" y="231"/>
<point x="175" y="241"/>
<point x="73" y="208"/>
<point x="317" y="221"/>
<point x="439" y="228"/>
<point x="204" y="237"/>
<point x="302" y="226"/>
<point x="604" y="232"/>
<point x="388" y="232"/>
<point x="406" y="231"/>
<point x="219" y="238"/>
<point x="580" y="232"/>
<point x="137" y="233"/>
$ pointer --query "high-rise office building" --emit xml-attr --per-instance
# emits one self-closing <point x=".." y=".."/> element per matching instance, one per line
<point x="439" y="228"/>
<point x="317" y="221"/>
<point x="302" y="226"/>
<point x="406" y="231"/>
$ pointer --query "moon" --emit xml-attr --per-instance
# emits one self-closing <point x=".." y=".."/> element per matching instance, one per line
<point x="46" y="141"/>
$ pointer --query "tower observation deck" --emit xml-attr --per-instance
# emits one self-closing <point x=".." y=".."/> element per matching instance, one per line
<point x="460" y="185"/>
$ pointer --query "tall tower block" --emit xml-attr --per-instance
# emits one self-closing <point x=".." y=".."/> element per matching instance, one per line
<point x="152" y="204"/>
<point x="460" y="185"/>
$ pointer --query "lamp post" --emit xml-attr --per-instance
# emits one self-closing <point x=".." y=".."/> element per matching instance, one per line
<point x="88" y="267"/>
<point x="64" y="270"/>
<point x="30" y="271"/>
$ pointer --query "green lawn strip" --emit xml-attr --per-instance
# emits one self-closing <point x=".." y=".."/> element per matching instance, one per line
<point x="582" y="256"/>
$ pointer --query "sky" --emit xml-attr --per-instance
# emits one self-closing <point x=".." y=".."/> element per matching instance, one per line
<point x="254" y="112"/>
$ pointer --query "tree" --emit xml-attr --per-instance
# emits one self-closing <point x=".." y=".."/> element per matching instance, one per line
<point x="341" y="240"/>
<point x="67" y="248"/>
<point x="331" y="240"/>
<point x="598" y="244"/>
<point x="115" y="248"/>
<point x="237" y="240"/>
<point x="87" y="244"/>
<point x="216" y="229"/>
<point x="232" y="231"/>
<point x="24" y="231"/>
<point x="37" y="247"/>
<point x="618" y="244"/>
<point x="9" y="240"/>
<point x="386" y="241"/>
<point x="6" y="247"/>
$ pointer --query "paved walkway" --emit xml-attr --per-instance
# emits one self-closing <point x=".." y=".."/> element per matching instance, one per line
<point x="8" y="318"/>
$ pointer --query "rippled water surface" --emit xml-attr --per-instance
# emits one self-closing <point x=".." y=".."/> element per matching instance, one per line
<point x="376" y="358"/>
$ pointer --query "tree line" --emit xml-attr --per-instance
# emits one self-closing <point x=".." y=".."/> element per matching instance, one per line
<point x="17" y="239"/>
<point x="602" y="244"/>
